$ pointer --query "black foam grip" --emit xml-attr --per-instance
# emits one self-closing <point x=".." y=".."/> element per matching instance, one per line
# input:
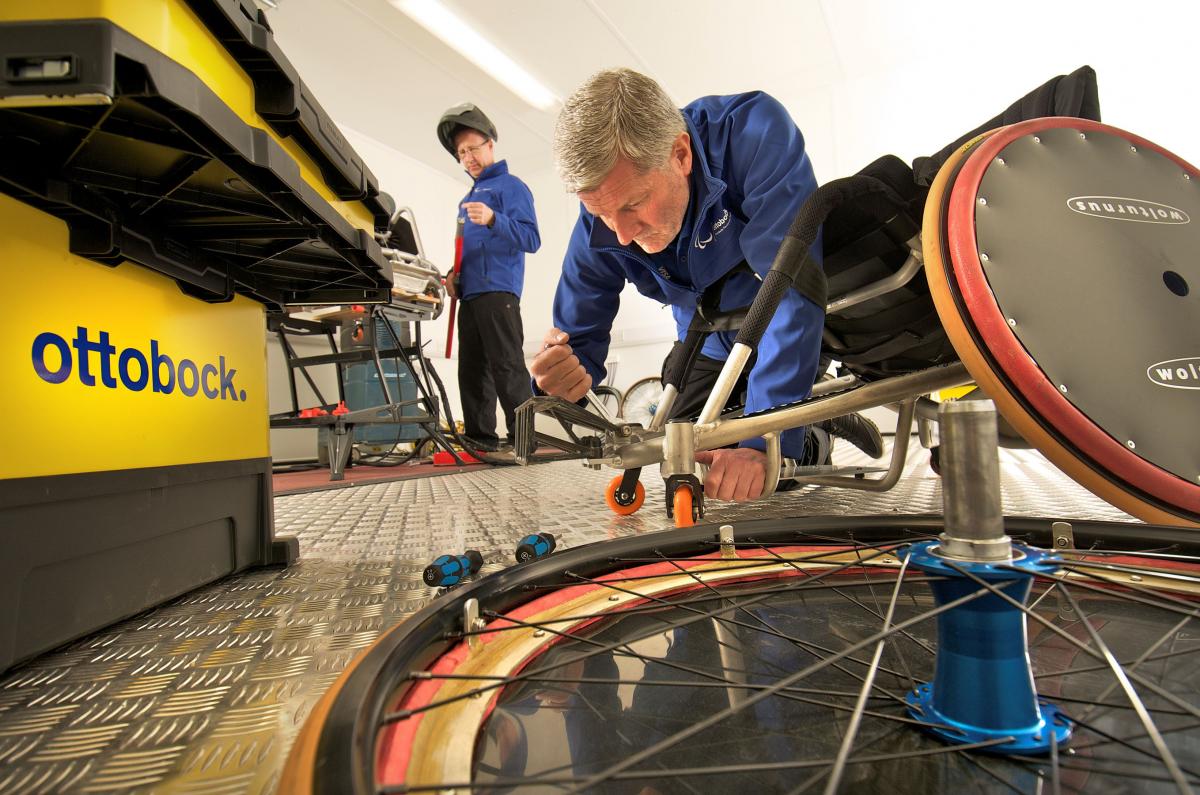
<point x="774" y="286"/>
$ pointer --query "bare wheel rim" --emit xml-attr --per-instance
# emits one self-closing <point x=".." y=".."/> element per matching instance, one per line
<point x="536" y="714"/>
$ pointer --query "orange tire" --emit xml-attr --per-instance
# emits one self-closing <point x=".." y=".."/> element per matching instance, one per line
<point x="610" y="497"/>
<point x="684" y="516"/>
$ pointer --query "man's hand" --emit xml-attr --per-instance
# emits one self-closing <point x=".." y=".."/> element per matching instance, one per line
<point x="736" y="474"/>
<point x="451" y="282"/>
<point x="557" y="370"/>
<point x="479" y="213"/>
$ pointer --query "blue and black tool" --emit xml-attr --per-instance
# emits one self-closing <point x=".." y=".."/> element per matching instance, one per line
<point x="535" y="545"/>
<point x="450" y="570"/>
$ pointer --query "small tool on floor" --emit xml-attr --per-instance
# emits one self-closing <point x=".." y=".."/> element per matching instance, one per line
<point x="450" y="570"/>
<point x="535" y="545"/>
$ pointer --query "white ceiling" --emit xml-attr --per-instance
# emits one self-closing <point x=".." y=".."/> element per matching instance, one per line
<point x="862" y="77"/>
<point x="378" y="72"/>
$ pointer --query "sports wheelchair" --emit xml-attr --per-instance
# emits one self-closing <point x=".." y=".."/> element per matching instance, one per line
<point x="1045" y="257"/>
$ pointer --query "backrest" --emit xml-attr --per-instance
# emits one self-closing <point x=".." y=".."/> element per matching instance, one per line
<point x="896" y="332"/>
<point x="899" y="332"/>
<point x="403" y="237"/>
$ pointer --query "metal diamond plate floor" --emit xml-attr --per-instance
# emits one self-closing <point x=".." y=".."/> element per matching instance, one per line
<point x="207" y="693"/>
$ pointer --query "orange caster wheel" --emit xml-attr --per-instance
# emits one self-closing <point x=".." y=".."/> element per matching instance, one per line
<point x="684" y="509"/>
<point x="620" y="507"/>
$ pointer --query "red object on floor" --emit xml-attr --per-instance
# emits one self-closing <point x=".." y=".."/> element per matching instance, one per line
<point x="317" y="478"/>
<point x="444" y="459"/>
<point x="316" y="411"/>
<point x="340" y="408"/>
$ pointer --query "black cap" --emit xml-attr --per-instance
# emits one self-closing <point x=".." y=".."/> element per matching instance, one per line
<point x="464" y="115"/>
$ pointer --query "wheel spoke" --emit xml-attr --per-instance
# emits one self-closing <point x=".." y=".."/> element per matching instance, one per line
<point x="839" y="765"/>
<point x="754" y="699"/>
<point x="1133" y="666"/>
<point x="1110" y="739"/>
<point x="807" y="646"/>
<point x="741" y="637"/>
<point x="1106" y="654"/>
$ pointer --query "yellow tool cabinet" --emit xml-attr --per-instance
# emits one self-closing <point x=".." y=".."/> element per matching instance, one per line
<point x="165" y="179"/>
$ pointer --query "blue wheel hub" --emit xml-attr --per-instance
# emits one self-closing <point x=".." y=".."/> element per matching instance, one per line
<point x="983" y="686"/>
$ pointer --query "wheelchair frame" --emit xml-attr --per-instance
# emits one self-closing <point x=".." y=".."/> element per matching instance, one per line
<point x="675" y="443"/>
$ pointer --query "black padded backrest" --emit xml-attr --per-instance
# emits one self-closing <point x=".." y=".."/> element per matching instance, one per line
<point x="402" y="237"/>
<point x="900" y="332"/>
<point x="1075" y="95"/>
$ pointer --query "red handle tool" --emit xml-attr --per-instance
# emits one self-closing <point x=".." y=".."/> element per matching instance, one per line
<point x="458" y="244"/>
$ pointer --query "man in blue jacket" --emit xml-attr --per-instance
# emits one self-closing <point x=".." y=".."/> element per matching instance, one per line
<point x="684" y="203"/>
<point x="499" y="228"/>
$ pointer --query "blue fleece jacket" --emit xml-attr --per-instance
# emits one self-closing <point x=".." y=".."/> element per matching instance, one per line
<point x="493" y="259"/>
<point x="750" y="175"/>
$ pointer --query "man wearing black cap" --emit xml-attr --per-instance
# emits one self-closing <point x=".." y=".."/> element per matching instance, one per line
<point x="499" y="228"/>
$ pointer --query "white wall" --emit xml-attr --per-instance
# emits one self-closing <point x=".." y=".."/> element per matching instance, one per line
<point x="433" y="197"/>
<point x="916" y="75"/>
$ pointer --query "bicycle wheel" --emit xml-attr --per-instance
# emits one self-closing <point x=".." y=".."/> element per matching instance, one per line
<point x="668" y="663"/>
<point x="641" y="401"/>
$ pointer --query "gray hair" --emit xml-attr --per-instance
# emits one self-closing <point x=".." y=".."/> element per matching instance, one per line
<point x="616" y="113"/>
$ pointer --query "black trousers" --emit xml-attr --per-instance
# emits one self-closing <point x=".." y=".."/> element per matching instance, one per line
<point x="491" y="363"/>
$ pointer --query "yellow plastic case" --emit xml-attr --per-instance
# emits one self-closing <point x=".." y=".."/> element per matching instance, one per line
<point x="167" y="179"/>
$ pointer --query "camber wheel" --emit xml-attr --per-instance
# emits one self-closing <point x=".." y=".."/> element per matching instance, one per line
<point x="620" y="507"/>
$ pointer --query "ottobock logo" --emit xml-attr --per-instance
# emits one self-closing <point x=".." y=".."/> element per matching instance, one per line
<point x="717" y="228"/>
<point x="96" y="361"/>
<point x="1118" y="208"/>
<point x="1176" y="373"/>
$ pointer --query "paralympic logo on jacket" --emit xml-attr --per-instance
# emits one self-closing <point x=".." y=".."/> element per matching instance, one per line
<point x="720" y="226"/>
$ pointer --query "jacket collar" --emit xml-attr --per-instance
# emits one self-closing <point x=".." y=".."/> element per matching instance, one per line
<point x="705" y="191"/>
<point x="496" y="169"/>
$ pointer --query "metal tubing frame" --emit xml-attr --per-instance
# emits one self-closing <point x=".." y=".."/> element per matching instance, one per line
<point x="911" y="267"/>
<point x="774" y="463"/>
<point x="726" y="381"/>
<point x="679" y="455"/>
<point x="895" y="467"/>
<point x="665" y="404"/>
<point x="711" y="435"/>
